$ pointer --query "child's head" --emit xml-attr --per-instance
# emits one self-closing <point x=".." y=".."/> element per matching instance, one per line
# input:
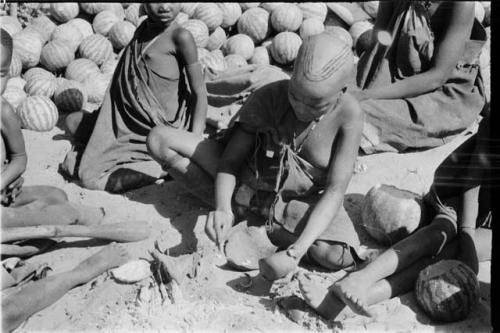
<point x="6" y="54"/>
<point x="323" y="66"/>
<point x="162" y="12"/>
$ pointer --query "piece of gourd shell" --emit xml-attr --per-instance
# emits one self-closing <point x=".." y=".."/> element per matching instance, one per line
<point x="133" y="271"/>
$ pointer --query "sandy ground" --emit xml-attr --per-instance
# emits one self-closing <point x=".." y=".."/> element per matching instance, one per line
<point x="217" y="299"/>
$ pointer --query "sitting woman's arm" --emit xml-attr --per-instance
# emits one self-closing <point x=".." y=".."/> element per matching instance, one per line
<point x="344" y="154"/>
<point x="447" y="52"/>
<point x="14" y="142"/>
<point x="186" y="47"/>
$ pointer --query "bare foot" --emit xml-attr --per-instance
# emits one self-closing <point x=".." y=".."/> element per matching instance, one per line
<point x="349" y="289"/>
<point x="320" y="298"/>
<point x="111" y="256"/>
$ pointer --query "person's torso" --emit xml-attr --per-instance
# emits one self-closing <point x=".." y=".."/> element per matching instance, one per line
<point x="163" y="70"/>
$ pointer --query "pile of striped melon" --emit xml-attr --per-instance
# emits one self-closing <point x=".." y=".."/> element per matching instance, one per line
<point x="64" y="61"/>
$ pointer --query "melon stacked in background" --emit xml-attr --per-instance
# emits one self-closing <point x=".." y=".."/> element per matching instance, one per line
<point x="66" y="56"/>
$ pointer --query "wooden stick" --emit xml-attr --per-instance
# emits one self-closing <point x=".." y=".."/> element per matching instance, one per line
<point x="121" y="232"/>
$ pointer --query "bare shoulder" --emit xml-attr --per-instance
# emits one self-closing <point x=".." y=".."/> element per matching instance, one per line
<point x="9" y="117"/>
<point x="350" y="110"/>
<point x="183" y="37"/>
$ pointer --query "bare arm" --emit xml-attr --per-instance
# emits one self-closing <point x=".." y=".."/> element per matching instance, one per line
<point x="220" y="221"/>
<point x="447" y="53"/>
<point x="344" y="155"/>
<point x="14" y="142"/>
<point x="188" y="52"/>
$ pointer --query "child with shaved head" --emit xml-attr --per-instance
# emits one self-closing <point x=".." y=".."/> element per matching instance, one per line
<point x="289" y="159"/>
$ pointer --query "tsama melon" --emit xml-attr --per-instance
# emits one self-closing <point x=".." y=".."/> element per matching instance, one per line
<point x="35" y="71"/>
<point x="371" y="8"/>
<point x="317" y="10"/>
<point x="17" y="82"/>
<point x="35" y="30"/>
<point x="38" y="113"/>
<point x="181" y="18"/>
<point x="270" y="6"/>
<point x="447" y="290"/>
<point x="231" y="12"/>
<point x="240" y="44"/>
<point x="40" y="85"/>
<point x="310" y="27"/>
<point x="209" y="13"/>
<point x="260" y="56"/>
<point x="214" y="61"/>
<point x="285" y="47"/>
<point x="247" y="5"/>
<point x="64" y="11"/>
<point x="189" y="8"/>
<point x="358" y="28"/>
<point x="80" y="69"/>
<point x="199" y="30"/>
<point x="68" y="34"/>
<point x="202" y="53"/>
<point x="96" y="87"/>
<point x="44" y="26"/>
<point x="364" y="42"/>
<point x="83" y="26"/>
<point x="70" y="96"/>
<point x="133" y="15"/>
<point x="391" y="214"/>
<point x="10" y="24"/>
<point x="255" y="24"/>
<point x="121" y="34"/>
<point x="96" y="48"/>
<point x="216" y="39"/>
<point x="14" y="95"/>
<point x="287" y="17"/>
<point x="56" y="55"/>
<point x="234" y="61"/>
<point x="28" y="47"/>
<point x="103" y="22"/>
<point x="16" y="66"/>
<point x="93" y="8"/>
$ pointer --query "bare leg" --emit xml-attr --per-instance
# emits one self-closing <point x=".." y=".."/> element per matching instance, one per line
<point x="39" y="196"/>
<point x="188" y="158"/>
<point x="328" y="304"/>
<point x="33" y="297"/>
<point x="58" y="214"/>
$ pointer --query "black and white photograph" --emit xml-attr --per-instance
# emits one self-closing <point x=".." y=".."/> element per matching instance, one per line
<point x="247" y="166"/>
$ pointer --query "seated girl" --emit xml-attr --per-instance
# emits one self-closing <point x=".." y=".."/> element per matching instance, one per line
<point x="424" y="87"/>
<point x="149" y="88"/>
<point x="289" y="160"/>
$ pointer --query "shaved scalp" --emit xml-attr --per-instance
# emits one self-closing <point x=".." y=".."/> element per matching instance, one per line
<point x="321" y="57"/>
<point x="323" y="66"/>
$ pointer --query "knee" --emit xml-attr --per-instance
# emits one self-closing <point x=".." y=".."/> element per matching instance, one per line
<point x="89" y="181"/>
<point x="159" y="140"/>
<point x="53" y="194"/>
<point x="331" y="256"/>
